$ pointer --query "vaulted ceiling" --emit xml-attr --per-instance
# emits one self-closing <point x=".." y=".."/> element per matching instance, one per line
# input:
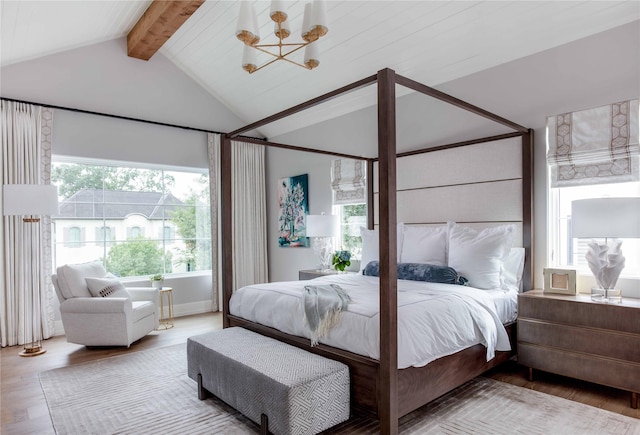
<point x="429" y="41"/>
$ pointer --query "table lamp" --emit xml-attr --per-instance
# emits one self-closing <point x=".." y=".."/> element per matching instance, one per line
<point x="322" y="228"/>
<point x="605" y="218"/>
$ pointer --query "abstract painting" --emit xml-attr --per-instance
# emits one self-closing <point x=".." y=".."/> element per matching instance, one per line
<point x="293" y="202"/>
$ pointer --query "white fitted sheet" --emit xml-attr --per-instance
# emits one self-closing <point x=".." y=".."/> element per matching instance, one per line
<point x="434" y="320"/>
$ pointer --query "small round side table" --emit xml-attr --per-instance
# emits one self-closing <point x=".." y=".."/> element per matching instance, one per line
<point x="166" y="321"/>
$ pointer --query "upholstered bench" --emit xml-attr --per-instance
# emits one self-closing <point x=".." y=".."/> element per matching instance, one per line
<point x="284" y="389"/>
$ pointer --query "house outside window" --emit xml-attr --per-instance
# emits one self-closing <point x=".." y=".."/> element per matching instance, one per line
<point x="136" y="221"/>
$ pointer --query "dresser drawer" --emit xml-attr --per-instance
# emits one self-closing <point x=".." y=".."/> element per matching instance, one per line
<point x="605" y="371"/>
<point x="600" y="342"/>
<point x="580" y="311"/>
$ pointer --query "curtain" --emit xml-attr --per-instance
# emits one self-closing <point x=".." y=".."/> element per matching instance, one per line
<point x="213" y="151"/>
<point x="594" y="146"/>
<point x="348" y="181"/>
<point x="26" y="159"/>
<point x="249" y="214"/>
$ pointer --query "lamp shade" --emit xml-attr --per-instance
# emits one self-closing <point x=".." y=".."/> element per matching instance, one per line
<point x="605" y="217"/>
<point x="30" y="199"/>
<point x="322" y="225"/>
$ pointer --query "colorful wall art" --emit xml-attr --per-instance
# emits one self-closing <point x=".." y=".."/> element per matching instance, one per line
<point x="293" y="201"/>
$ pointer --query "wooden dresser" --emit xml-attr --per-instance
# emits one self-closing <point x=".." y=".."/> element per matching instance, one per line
<point x="575" y="337"/>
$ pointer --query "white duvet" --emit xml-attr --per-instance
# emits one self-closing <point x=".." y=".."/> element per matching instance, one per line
<point x="434" y="320"/>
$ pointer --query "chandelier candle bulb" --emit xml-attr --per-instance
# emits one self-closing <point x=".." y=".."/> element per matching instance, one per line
<point x="282" y="30"/>
<point x="312" y="55"/>
<point x="249" y="59"/>
<point x="277" y="13"/>
<point x="319" y="26"/>
<point x="306" y="23"/>
<point x="247" y="28"/>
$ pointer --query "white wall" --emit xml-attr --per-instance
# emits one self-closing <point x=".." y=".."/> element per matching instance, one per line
<point x="101" y="78"/>
<point x="284" y="263"/>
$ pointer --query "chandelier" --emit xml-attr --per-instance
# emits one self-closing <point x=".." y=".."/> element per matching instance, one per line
<point x="314" y="26"/>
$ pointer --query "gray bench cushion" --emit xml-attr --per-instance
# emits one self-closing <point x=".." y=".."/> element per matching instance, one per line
<point x="300" y="392"/>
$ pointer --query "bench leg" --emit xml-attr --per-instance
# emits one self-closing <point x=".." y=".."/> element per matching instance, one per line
<point x="202" y="392"/>
<point x="634" y="400"/>
<point x="264" y="425"/>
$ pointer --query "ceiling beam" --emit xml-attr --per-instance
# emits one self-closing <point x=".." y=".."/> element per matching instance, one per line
<point x="161" y="20"/>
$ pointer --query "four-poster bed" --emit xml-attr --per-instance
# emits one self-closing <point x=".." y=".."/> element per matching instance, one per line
<point x="378" y="386"/>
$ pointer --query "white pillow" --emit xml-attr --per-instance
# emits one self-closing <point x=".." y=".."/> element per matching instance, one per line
<point x="107" y="287"/>
<point x="424" y="245"/>
<point x="513" y="269"/>
<point x="371" y="245"/>
<point x="479" y="256"/>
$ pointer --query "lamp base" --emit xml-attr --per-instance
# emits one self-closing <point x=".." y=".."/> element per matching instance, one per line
<point x="607" y="296"/>
<point x="32" y="350"/>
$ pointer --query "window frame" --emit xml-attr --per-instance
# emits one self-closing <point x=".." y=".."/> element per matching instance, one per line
<point x="202" y="240"/>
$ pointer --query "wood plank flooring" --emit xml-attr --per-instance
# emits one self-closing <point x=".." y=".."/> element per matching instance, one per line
<point x="24" y="410"/>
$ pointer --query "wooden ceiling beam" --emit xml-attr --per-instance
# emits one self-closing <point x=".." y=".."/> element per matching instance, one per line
<point x="159" y="22"/>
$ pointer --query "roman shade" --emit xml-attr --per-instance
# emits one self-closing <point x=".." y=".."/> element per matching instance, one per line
<point x="348" y="181"/>
<point x="594" y="146"/>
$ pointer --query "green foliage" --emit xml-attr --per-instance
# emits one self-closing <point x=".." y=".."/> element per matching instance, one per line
<point x="137" y="257"/>
<point x="71" y="178"/>
<point x="193" y="224"/>
<point x="352" y="243"/>
<point x="341" y="260"/>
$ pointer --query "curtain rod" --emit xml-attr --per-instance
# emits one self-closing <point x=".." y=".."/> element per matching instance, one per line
<point x="126" y="118"/>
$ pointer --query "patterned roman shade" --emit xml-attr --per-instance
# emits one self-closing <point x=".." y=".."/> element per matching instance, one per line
<point x="348" y="181"/>
<point x="594" y="146"/>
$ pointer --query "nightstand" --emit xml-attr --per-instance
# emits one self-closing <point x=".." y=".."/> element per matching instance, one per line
<point x="304" y="275"/>
<point x="576" y="337"/>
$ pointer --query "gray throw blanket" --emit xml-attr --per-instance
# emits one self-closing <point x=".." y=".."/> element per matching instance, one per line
<point x="323" y="307"/>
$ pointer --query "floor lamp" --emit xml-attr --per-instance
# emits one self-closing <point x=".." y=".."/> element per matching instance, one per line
<point x="30" y="201"/>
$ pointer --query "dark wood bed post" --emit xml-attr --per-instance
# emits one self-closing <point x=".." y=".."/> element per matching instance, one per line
<point x="226" y="239"/>
<point x="527" y="209"/>
<point x="388" y="384"/>
<point x="370" y="208"/>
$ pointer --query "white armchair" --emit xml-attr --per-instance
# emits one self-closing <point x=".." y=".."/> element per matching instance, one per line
<point x="115" y="320"/>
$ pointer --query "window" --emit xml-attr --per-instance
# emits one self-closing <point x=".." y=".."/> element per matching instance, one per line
<point x="352" y="217"/>
<point x="105" y="235"/>
<point x="139" y="221"/>
<point x="73" y="237"/>
<point x="565" y="250"/>
<point x="135" y="233"/>
<point x="348" y="182"/>
<point x="167" y="234"/>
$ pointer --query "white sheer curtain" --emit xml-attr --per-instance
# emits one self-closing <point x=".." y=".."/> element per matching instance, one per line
<point x="213" y="151"/>
<point x="26" y="159"/>
<point x="249" y="214"/>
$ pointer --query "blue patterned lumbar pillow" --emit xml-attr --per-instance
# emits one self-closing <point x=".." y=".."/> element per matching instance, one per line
<point x="420" y="272"/>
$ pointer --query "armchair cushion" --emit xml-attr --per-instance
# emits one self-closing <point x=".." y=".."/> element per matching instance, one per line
<point x="142" y="309"/>
<point x="106" y="287"/>
<point x="71" y="278"/>
<point x="92" y="305"/>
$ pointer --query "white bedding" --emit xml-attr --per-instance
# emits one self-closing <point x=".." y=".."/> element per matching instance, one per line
<point x="434" y="320"/>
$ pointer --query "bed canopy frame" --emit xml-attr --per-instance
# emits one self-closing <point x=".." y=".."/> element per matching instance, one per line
<point x="378" y="385"/>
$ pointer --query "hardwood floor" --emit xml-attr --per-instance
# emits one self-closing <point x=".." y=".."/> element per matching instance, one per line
<point x="24" y="410"/>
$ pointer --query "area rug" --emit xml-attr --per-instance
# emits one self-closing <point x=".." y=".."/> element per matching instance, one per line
<point x="149" y="392"/>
